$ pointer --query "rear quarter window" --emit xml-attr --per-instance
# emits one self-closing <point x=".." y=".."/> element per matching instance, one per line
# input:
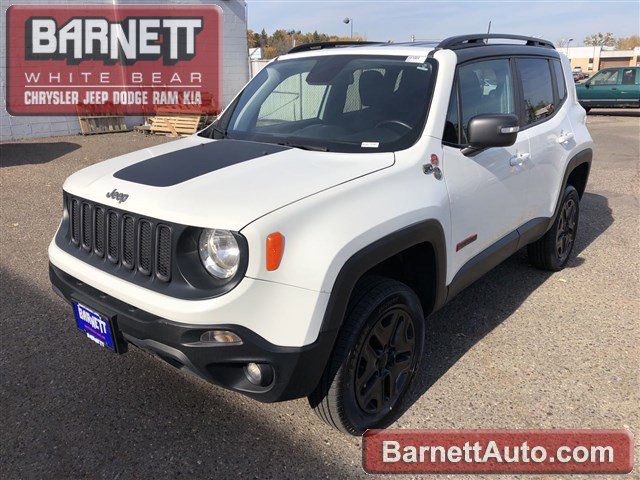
<point x="560" y="85"/>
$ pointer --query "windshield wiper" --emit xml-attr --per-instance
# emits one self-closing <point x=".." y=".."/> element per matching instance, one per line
<point x="301" y="146"/>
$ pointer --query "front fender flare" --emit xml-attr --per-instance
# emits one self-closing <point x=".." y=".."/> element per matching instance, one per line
<point x="427" y="231"/>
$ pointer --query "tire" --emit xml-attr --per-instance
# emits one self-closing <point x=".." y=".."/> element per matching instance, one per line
<point x="553" y="250"/>
<point x="374" y="359"/>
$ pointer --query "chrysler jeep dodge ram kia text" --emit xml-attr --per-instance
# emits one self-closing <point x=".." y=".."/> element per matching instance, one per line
<point x="295" y="247"/>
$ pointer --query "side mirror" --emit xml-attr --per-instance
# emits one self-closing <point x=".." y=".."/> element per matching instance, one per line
<point x="491" y="130"/>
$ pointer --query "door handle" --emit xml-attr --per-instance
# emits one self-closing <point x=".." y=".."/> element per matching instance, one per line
<point x="615" y="88"/>
<point x="519" y="159"/>
<point x="564" y="137"/>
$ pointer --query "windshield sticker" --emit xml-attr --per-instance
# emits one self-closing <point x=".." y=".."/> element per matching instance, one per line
<point x="416" y="59"/>
<point x="425" y="66"/>
<point x="369" y="144"/>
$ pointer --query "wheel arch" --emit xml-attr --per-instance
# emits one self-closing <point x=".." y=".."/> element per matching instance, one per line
<point x="576" y="174"/>
<point x="423" y="242"/>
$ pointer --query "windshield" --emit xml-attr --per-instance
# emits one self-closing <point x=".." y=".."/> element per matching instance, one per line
<point x="344" y="103"/>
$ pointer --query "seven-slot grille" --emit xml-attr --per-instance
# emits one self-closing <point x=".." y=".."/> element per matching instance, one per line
<point x="125" y="239"/>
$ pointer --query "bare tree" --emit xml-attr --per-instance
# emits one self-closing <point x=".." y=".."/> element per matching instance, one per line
<point x="601" y="40"/>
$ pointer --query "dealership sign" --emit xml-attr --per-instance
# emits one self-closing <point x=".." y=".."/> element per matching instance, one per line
<point x="113" y="59"/>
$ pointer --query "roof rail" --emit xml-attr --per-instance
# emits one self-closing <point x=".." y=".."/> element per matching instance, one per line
<point x="320" y="45"/>
<point x="462" y="41"/>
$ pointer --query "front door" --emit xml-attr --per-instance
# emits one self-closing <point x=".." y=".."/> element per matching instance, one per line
<point x="602" y="89"/>
<point x="488" y="191"/>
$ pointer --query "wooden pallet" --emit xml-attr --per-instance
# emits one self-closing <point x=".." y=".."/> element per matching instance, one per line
<point x="91" y="124"/>
<point x="175" y="124"/>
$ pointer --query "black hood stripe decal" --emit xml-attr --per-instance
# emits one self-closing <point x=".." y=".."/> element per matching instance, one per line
<point x="182" y="165"/>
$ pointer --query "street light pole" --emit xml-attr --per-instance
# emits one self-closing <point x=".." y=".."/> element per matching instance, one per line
<point x="349" y="21"/>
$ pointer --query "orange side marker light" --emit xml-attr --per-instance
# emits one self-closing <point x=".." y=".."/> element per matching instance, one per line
<point x="275" y="249"/>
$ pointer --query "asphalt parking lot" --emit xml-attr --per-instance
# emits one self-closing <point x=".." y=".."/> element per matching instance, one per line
<point x="520" y="348"/>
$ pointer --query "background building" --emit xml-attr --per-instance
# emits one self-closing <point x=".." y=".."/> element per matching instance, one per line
<point x="592" y="58"/>
<point x="235" y="68"/>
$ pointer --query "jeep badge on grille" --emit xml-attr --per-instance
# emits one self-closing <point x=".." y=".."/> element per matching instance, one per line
<point x="116" y="195"/>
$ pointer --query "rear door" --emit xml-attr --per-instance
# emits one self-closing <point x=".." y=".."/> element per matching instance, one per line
<point x="629" y="87"/>
<point x="546" y="121"/>
<point x="488" y="191"/>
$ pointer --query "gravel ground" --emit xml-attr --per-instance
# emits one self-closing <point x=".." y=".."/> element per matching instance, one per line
<point x="519" y="349"/>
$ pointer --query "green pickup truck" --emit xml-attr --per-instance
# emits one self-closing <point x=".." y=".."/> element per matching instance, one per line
<point x="611" y="87"/>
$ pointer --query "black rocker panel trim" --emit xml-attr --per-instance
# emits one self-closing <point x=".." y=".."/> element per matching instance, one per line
<point x="176" y="167"/>
<point x="532" y="231"/>
<point x="497" y="253"/>
<point x="483" y="262"/>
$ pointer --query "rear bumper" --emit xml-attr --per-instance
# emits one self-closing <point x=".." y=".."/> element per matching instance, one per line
<point x="296" y="370"/>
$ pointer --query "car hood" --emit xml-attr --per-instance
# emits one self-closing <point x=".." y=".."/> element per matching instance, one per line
<point x="217" y="183"/>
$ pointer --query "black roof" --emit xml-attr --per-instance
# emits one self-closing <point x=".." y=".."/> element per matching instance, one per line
<point x="466" y="47"/>
<point x="486" y="51"/>
<point x="472" y="47"/>
<point x="478" y="39"/>
<point x="322" y="45"/>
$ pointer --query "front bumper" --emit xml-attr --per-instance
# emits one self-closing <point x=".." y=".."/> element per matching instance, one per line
<point x="297" y="370"/>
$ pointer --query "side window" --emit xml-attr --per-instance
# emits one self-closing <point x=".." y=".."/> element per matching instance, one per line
<point x="537" y="90"/>
<point x="562" y="89"/>
<point x="293" y="100"/>
<point x="629" y="76"/>
<point x="451" y="132"/>
<point x="485" y="87"/>
<point x="605" y="77"/>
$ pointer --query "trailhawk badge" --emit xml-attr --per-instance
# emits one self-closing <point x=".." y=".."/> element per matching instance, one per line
<point x="116" y="195"/>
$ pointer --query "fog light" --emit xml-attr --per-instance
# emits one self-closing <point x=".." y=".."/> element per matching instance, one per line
<point x="220" y="336"/>
<point x="259" y="374"/>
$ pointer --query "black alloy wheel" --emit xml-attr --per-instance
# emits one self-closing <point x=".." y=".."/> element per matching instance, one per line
<point x="376" y="356"/>
<point x="553" y="250"/>
<point x="566" y="231"/>
<point x="386" y="360"/>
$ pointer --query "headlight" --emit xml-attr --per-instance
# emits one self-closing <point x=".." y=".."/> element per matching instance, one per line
<point x="219" y="252"/>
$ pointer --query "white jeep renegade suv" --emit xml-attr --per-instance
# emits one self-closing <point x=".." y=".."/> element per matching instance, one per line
<point x="295" y="247"/>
